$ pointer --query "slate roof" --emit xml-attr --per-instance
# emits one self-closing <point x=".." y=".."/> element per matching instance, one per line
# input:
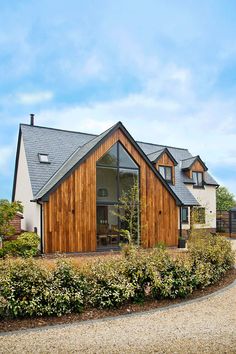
<point x="187" y="163"/>
<point x="66" y="148"/>
<point x="154" y="156"/>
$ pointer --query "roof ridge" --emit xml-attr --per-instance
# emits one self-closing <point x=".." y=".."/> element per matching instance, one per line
<point x="154" y="152"/>
<point x="62" y="130"/>
<point x="192" y="157"/>
<point x="164" y="146"/>
<point x="77" y="132"/>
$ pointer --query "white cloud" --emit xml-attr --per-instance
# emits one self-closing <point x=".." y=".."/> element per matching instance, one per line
<point x="28" y="98"/>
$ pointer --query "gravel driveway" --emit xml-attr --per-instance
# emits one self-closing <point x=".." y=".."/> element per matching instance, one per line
<point x="206" y="326"/>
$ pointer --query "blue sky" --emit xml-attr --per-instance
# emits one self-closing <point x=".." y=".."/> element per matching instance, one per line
<point x="166" y="69"/>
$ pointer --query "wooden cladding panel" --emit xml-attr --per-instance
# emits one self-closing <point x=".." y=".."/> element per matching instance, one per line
<point x="70" y="213"/>
<point x="166" y="161"/>
<point x="197" y="166"/>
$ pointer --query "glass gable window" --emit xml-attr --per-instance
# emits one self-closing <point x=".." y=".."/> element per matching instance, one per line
<point x="166" y="172"/>
<point x="198" y="179"/>
<point x="116" y="174"/>
<point x="110" y="158"/>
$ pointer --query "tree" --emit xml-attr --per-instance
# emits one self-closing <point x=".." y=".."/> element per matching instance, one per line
<point x="224" y="199"/>
<point x="7" y="212"/>
<point x="128" y="213"/>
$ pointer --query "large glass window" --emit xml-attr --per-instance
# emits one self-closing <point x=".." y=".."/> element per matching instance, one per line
<point x="117" y="173"/>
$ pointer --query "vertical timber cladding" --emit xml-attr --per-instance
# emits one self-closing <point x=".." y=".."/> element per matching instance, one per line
<point x="197" y="166"/>
<point x="70" y="213"/>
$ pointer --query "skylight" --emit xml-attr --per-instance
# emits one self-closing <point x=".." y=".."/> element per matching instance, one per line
<point x="43" y="158"/>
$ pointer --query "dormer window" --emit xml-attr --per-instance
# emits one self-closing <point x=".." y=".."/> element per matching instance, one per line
<point x="198" y="179"/>
<point x="166" y="172"/>
<point x="43" y="158"/>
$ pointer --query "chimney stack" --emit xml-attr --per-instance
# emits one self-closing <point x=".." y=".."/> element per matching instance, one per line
<point x="31" y="119"/>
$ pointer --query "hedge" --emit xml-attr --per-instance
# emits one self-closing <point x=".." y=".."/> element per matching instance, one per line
<point x="30" y="287"/>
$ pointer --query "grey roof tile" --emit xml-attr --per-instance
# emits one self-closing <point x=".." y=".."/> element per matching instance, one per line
<point x="77" y="156"/>
<point x="65" y="148"/>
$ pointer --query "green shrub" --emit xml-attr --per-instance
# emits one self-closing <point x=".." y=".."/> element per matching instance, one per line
<point x="26" y="245"/>
<point x="212" y="256"/>
<point x="108" y="284"/>
<point x="28" y="288"/>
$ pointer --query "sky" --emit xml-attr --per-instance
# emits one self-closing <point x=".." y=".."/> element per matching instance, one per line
<point x="166" y="69"/>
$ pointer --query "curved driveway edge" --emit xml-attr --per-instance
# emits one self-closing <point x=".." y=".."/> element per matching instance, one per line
<point x="202" y="325"/>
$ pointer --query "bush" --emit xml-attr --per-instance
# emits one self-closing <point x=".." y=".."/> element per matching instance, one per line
<point x="108" y="284"/>
<point x="26" y="245"/>
<point x="212" y="256"/>
<point x="29" y="288"/>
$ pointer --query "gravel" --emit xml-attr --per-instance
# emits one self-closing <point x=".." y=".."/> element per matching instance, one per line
<point x="206" y="326"/>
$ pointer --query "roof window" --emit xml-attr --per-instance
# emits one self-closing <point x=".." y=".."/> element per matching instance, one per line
<point x="43" y="158"/>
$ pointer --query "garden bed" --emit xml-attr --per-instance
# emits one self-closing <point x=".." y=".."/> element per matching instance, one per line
<point x="65" y="290"/>
<point x="7" y="325"/>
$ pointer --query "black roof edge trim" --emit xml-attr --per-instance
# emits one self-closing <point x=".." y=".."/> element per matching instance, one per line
<point x="16" y="164"/>
<point x="125" y="131"/>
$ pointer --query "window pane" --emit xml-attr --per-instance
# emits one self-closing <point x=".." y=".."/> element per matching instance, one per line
<point x="127" y="179"/>
<point x="184" y="214"/>
<point x="199" y="215"/>
<point x="107" y="226"/>
<point x="200" y="179"/>
<point x="110" y="158"/>
<point x="162" y="171"/>
<point x="168" y="173"/>
<point x="195" y="177"/>
<point x="106" y="184"/>
<point x="125" y="159"/>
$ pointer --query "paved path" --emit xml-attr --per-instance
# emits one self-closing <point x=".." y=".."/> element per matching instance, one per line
<point x="206" y="326"/>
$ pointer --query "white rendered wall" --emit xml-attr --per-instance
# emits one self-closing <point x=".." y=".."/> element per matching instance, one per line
<point x="23" y="193"/>
<point x="207" y="199"/>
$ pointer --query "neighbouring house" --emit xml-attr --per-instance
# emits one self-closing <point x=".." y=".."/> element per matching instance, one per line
<point x="16" y="223"/>
<point x="70" y="183"/>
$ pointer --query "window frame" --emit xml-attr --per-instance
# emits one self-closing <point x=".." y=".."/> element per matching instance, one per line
<point x="118" y="167"/>
<point x="166" y="167"/>
<point x="40" y="154"/>
<point x="198" y="185"/>
<point x="185" y="221"/>
<point x="199" y="220"/>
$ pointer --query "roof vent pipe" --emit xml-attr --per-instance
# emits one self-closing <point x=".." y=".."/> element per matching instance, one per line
<point x="31" y="119"/>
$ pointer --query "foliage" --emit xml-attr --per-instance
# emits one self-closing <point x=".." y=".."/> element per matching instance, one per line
<point x="29" y="288"/>
<point x="224" y="199"/>
<point x="26" y="245"/>
<point x="7" y="212"/>
<point x="128" y="213"/>
<point x="212" y="256"/>
<point x="108" y="284"/>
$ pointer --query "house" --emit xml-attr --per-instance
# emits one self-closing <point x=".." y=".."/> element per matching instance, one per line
<point x="70" y="183"/>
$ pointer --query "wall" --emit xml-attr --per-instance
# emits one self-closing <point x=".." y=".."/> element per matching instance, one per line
<point x="206" y="198"/>
<point x="24" y="194"/>
<point x="70" y="213"/>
